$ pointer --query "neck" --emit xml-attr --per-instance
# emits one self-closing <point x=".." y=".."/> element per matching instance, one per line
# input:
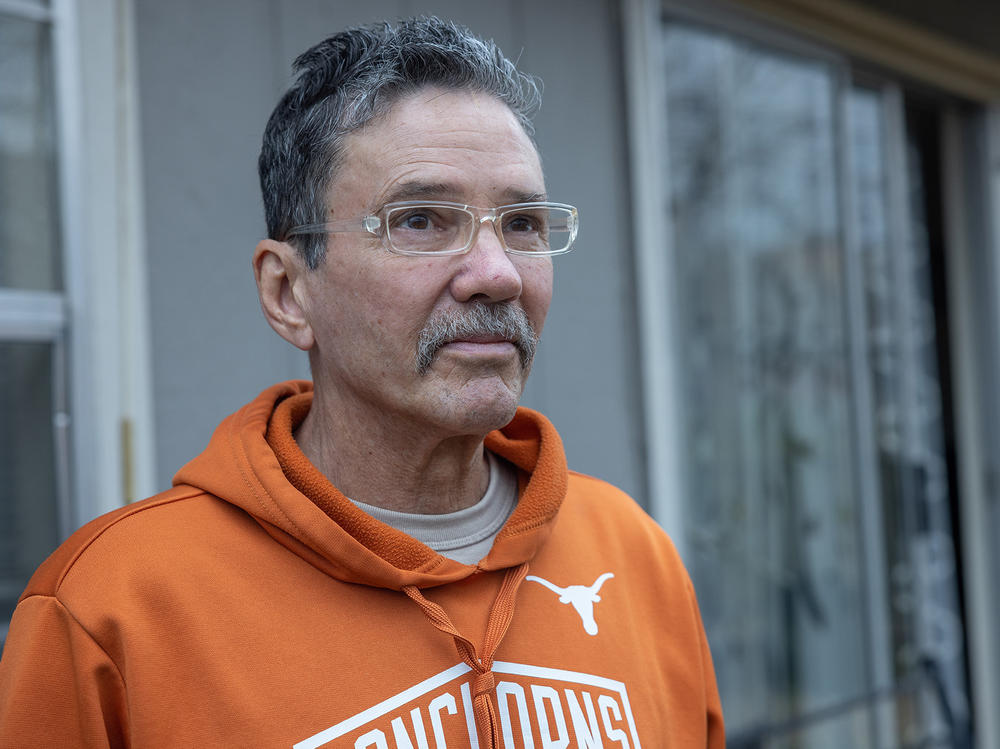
<point x="404" y="468"/>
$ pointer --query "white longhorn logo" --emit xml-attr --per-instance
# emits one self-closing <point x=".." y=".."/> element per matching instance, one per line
<point x="583" y="598"/>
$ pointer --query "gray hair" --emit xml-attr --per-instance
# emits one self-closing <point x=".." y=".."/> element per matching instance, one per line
<point x="352" y="78"/>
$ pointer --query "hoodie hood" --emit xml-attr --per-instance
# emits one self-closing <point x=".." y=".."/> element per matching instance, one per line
<point x="241" y="466"/>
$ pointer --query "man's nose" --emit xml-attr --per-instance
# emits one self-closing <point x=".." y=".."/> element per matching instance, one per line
<point x="487" y="272"/>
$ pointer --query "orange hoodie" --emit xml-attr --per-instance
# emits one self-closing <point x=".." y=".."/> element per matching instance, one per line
<point x="235" y="610"/>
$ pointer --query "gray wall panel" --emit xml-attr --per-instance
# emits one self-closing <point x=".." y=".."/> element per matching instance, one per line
<point x="303" y="23"/>
<point x="495" y="21"/>
<point x="587" y="380"/>
<point x="205" y="91"/>
<point x="207" y="85"/>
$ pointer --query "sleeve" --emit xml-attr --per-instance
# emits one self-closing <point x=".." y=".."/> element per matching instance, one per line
<point x="715" y="727"/>
<point x="58" y="687"/>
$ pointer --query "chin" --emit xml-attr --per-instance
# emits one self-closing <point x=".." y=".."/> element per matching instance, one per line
<point x="481" y="412"/>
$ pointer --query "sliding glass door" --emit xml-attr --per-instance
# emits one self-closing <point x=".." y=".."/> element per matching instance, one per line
<point x="810" y="328"/>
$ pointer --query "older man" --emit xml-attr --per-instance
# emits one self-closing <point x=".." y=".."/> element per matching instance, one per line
<point x="347" y="564"/>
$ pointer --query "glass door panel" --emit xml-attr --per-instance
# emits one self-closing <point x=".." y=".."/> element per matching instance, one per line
<point x="819" y="495"/>
<point x="29" y="210"/>
<point x="772" y="512"/>
<point x="897" y="222"/>
<point x="29" y="469"/>
<point x="34" y="460"/>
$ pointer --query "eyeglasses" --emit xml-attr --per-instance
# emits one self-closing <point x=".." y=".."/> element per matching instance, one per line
<point x="442" y="228"/>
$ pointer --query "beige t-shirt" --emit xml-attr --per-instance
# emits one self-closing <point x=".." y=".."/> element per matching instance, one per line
<point x="466" y="535"/>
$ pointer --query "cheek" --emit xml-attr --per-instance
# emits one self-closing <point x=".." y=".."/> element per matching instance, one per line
<point x="396" y="313"/>
<point x="344" y="318"/>
<point x="536" y="291"/>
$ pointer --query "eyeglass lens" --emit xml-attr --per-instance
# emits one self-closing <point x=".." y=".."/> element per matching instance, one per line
<point x="450" y="229"/>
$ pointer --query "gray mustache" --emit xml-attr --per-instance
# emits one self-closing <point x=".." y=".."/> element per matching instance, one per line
<point x="477" y="319"/>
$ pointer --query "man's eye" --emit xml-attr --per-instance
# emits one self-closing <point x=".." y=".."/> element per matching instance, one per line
<point x="415" y="221"/>
<point x="521" y="224"/>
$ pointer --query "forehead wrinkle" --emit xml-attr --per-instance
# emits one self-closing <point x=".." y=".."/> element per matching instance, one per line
<point x="451" y="136"/>
<point x="460" y="161"/>
<point x="421" y="190"/>
<point x="503" y="151"/>
<point x="429" y="179"/>
<point x="454" y="139"/>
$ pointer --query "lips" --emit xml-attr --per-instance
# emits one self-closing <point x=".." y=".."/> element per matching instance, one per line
<point x="482" y="339"/>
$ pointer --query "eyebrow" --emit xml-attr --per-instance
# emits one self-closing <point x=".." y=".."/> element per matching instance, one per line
<point x="527" y="197"/>
<point x="417" y="190"/>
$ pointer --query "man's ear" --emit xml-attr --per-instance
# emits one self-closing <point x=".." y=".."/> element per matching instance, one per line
<point x="279" y="272"/>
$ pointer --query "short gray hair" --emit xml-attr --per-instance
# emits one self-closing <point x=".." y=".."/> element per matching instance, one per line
<point x="352" y="78"/>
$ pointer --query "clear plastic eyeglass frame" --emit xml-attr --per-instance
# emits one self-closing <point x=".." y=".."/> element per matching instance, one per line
<point x="380" y="225"/>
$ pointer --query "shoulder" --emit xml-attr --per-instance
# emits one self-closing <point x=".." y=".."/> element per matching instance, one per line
<point x="605" y="515"/>
<point x="601" y="529"/>
<point x="581" y="484"/>
<point x="146" y="568"/>
<point x="599" y="499"/>
<point x="125" y="537"/>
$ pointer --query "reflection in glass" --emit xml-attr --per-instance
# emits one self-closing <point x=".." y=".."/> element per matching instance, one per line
<point x="771" y="516"/>
<point x="926" y="626"/>
<point x="29" y="528"/>
<point x="29" y="224"/>
<point x="793" y="601"/>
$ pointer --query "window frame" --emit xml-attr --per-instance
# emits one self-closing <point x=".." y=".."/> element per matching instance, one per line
<point x="98" y="323"/>
<point x="110" y="388"/>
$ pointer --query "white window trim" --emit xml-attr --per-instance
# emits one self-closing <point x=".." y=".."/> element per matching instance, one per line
<point x="976" y="421"/>
<point x="26" y="10"/>
<point x="31" y="315"/>
<point x="654" y="259"/>
<point x="104" y="254"/>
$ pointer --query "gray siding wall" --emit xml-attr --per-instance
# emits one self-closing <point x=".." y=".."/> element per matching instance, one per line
<point x="209" y="74"/>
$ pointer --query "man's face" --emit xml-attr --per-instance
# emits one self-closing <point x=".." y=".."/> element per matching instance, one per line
<point x="370" y="309"/>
